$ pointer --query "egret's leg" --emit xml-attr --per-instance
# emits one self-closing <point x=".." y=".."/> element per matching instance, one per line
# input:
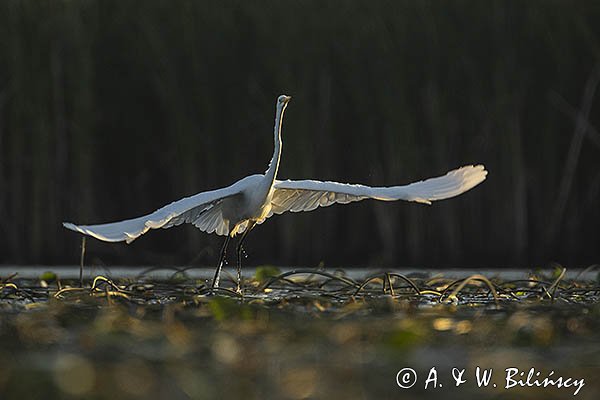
<point x="215" y="282"/>
<point x="239" y="256"/>
<point x="81" y="261"/>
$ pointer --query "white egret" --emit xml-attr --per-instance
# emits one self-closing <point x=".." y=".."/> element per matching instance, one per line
<point x="238" y="208"/>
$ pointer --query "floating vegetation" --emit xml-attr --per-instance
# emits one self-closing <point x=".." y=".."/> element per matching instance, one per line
<point x="272" y="286"/>
<point x="295" y="334"/>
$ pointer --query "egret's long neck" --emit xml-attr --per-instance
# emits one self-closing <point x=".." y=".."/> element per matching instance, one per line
<point x="271" y="173"/>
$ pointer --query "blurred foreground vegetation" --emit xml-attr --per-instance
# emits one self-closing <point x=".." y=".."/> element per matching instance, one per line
<point x="294" y="336"/>
<point x="110" y="109"/>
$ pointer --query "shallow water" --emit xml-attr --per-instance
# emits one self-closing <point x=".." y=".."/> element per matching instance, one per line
<point x="312" y="335"/>
<point x="157" y="272"/>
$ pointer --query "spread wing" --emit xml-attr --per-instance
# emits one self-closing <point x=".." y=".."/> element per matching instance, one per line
<point x="306" y="195"/>
<point x="204" y="210"/>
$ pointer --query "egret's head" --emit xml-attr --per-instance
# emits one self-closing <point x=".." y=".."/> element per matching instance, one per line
<point x="283" y="100"/>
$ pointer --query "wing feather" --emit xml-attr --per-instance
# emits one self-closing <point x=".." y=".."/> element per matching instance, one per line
<point x="307" y="195"/>
<point x="204" y="210"/>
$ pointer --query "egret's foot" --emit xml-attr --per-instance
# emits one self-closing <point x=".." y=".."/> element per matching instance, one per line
<point x="217" y="277"/>
<point x="238" y="287"/>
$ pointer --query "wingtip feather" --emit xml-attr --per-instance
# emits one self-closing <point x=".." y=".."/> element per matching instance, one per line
<point x="71" y="226"/>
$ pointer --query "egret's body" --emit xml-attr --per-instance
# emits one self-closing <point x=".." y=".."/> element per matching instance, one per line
<point x="238" y="208"/>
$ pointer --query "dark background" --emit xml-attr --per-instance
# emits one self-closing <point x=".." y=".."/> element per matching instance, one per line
<point x="111" y="109"/>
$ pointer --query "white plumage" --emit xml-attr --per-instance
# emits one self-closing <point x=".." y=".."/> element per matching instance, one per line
<point x="237" y="208"/>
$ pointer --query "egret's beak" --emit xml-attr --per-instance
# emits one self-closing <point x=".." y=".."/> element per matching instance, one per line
<point x="287" y="99"/>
